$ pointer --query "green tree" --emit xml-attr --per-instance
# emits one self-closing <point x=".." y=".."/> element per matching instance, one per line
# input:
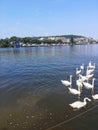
<point x="72" y="40"/>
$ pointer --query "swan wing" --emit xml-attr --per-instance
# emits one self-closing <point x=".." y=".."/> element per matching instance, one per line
<point x="92" y="67"/>
<point x="78" y="71"/>
<point x="90" y="71"/>
<point x="90" y="75"/>
<point x="74" y="91"/>
<point x="87" y="85"/>
<point x="77" y="104"/>
<point x="79" y="83"/>
<point x="95" y="96"/>
<point x="65" y="82"/>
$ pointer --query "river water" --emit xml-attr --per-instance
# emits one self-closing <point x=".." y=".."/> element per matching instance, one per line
<point x="32" y="96"/>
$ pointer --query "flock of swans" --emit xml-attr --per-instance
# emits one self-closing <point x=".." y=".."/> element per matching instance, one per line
<point x="82" y="81"/>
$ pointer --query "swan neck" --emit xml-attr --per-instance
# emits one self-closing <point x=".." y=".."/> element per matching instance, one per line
<point x="93" y="83"/>
<point x="85" y="100"/>
<point x="92" y="91"/>
<point x="79" y="88"/>
<point x="71" y="79"/>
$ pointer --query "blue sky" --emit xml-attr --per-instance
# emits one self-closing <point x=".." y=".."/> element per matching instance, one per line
<point x="48" y="17"/>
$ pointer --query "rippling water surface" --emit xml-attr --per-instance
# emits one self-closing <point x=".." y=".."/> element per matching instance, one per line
<point x="32" y="96"/>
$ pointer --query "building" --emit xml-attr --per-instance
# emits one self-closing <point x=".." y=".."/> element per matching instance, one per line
<point x="16" y="44"/>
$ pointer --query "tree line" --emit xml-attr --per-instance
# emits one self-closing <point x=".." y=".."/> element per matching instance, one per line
<point x="8" y="42"/>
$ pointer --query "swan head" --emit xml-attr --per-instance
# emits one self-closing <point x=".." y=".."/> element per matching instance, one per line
<point x="70" y="75"/>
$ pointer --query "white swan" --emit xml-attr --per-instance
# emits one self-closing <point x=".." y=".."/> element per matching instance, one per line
<point x="89" y="76"/>
<point x="75" y="91"/>
<point x="89" y="71"/>
<point x="95" y="96"/>
<point x="88" y="85"/>
<point x="79" y="104"/>
<point x="66" y="82"/>
<point x="91" y="66"/>
<point x="78" y="71"/>
<point x="79" y="82"/>
<point x="83" y="78"/>
<point x="82" y="67"/>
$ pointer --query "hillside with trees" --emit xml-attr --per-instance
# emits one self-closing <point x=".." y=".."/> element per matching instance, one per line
<point x="8" y="42"/>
